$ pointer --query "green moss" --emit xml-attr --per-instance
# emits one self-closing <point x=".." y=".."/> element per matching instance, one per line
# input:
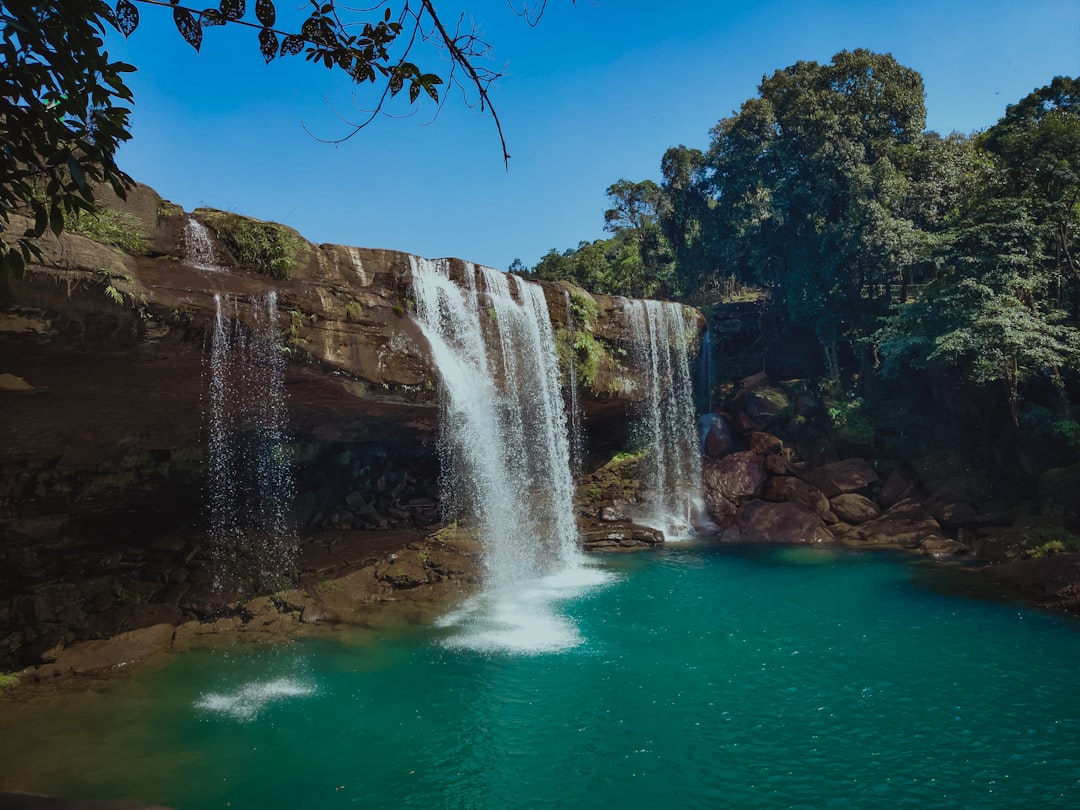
<point x="265" y="247"/>
<point x="114" y="228"/>
<point x="399" y="311"/>
<point x="587" y="353"/>
<point x="8" y="680"/>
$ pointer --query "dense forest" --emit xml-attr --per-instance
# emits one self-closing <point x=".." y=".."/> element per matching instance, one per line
<point x="937" y="277"/>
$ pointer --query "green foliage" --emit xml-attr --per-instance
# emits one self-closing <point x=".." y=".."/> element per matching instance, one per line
<point x="62" y="117"/>
<point x="118" y="229"/>
<point x="849" y="419"/>
<point x="587" y="354"/>
<point x="8" y="680"/>
<point x="265" y="247"/>
<point x="168" y="210"/>
<point x="63" y="113"/>
<point x="354" y="311"/>
<point x="584" y="309"/>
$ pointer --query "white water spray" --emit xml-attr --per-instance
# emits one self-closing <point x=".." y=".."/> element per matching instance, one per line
<point x="198" y="246"/>
<point x="666" y="424"/>
<point x="506" y="457"/>
<point x="249" y="481"/>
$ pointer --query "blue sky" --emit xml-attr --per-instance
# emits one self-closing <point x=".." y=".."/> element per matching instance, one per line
<point x="596" y="92"/>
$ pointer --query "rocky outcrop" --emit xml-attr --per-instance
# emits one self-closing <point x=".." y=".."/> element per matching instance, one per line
<point x="104" y="384"/>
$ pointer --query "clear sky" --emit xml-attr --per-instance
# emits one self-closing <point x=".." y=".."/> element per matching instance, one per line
<point x="596" y="92"/>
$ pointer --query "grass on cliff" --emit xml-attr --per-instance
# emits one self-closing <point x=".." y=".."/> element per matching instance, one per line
<point x="114" y="228"/>
<point x="265" y="247"/>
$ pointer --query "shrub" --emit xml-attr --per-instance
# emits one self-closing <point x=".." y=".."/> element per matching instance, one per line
<point x="114" y="228"/>
<point x="265" y="247"/>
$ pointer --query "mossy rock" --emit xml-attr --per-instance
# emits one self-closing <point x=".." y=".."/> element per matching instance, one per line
<point x="264" y="247"/>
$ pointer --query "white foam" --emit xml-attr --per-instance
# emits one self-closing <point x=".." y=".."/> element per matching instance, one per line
<point x="527" y="620"/>
<point x="245" y="703"/>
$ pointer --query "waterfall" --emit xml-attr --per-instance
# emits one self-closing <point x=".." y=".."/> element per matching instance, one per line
<point x="666" y="425"/>
<point x="577" y="435"/>
<point x="249" y="481"/>
<point x="198" y="247"/>
<point x="505" y="453"/>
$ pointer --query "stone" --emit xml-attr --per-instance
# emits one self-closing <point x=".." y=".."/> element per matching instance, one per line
<point x="1051" y="582"/>
<point x="90" y="657"/>
<point x="854" y="508"/>
<point x="621" y="538"/>
<point x="895" y="487"/>
<point x="788" y="489"/>
<point x="766" y="522"/>
<point x="718" y="439"/>
<point x="906" y="524"/>
<point x="840" y="477"/>
<point x="731" y="481"/>
<point x="941" y="548"/>
<point x="757" y="403"/>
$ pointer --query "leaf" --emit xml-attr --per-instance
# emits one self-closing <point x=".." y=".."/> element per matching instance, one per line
<point x="265" y="12"/>
<point x="414" y="92"/>
<point x="188" y="26"/>
<point x="268" y="44"/>
<point x="233" y="9"/>
<point x="127" y="17"/>
<point x="56" y="219"/>
<point x="292" y="45"/>
<point x="211" y="16"/>
<point x="12" y="263"/>
<point x="76" y="170"/>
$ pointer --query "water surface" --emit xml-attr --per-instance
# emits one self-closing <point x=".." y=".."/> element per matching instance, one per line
<point x="704" y="677"/>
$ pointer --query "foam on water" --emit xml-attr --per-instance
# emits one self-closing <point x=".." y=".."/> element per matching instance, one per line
<point x="247" y="702"/>
<point x="524" y="621"/>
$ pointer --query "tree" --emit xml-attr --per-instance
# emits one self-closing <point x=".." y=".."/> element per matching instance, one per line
<point x="62" y="113"/>
<point x="808" y="185"/>
<point x="683" y="219"/>
<point x="634" y="216"/>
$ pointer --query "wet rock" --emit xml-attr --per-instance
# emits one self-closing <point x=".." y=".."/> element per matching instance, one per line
<point x="718" y="437"/>
<point x="841" y="477"/>
<point x="906" y="525"/>
<point x="757" y="403"/>
<point x="854" y="508"/>
<point x="942" y="547"/>
<point x="731" y="481"/>
<point x="621" y="538"/>
<point x="766" y="522"/>
<point x="788" y="489"/>
<point x="1052" y="582"/>
<point x="895" y="487"/>
<point x="90" y="657"/>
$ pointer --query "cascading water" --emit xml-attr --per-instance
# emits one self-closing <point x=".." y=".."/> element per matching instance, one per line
<point x="506" y="458"/>
<point x="577" y="436"/>
<point x="249" y="481"/>
<point x="666" y="423"/>
<point x="198" y="246"/>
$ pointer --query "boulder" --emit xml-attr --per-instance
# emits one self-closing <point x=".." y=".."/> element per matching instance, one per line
<point x="731" y="481"/>
<point x="1052" y="582"/>
<point x="758" y="403"/>
<point x="896" y="486"/>
<point x="788" y="489"/>
<point x="840" y="477"/>
<point x="854" y="508"/>
<point x="906" y="524"/>
<point x="629" y="537"/>
<point x="717" y="437"/>
<point x="766" y="522"/>
<point x="941" y="547"/>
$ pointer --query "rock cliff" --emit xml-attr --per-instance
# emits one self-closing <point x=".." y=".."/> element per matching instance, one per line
<point x="104" y="388"/>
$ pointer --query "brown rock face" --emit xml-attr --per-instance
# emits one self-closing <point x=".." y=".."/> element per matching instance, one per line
<point x="764" y="522"/>
<point x="840" y="477"/>
<point x="731" y="481"/>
